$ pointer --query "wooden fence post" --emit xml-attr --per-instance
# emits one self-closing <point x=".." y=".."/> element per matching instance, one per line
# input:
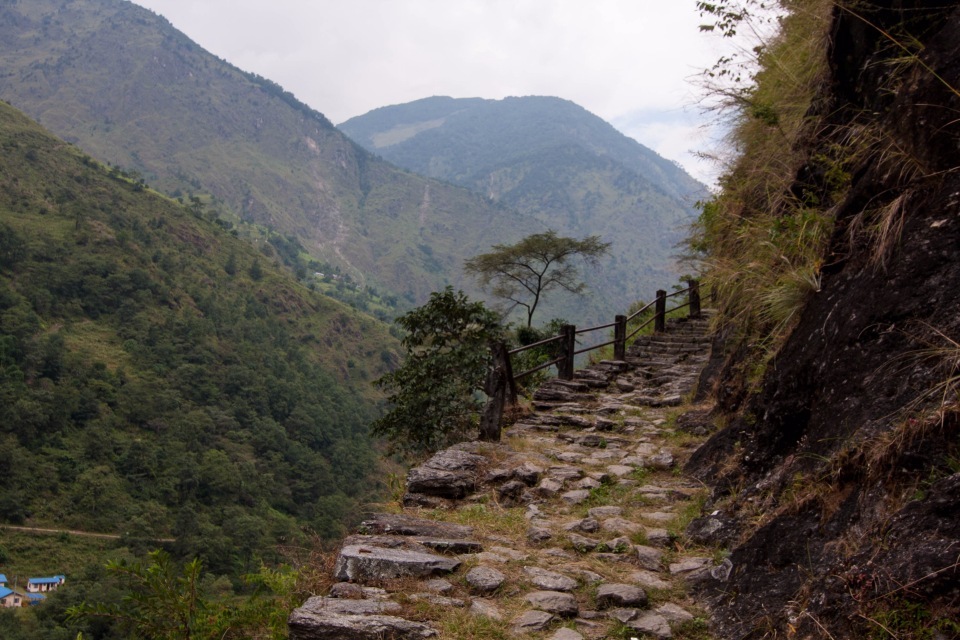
<point x="660" y="317"/>
<point x="508" y="368"/>
<point x="694" y="299"/>
<point x="620" y="337"/>
<point x="496" y="387"/>
<point x="569" y="345"/>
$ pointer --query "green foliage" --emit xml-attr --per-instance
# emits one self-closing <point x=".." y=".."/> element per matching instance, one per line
<point x="526" y="360"/>
<point x="435" y="394"/>
<point x="522" y="273"/>
<point x="146" y="392"/>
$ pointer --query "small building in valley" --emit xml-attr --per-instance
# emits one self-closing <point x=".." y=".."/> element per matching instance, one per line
<point x="10" y="598"/>
<point x="42" y="585"/>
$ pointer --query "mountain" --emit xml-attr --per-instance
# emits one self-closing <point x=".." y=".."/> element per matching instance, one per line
<point x="556" y="162"/>
<point x="128" y="88"/>
<point x="161" y="378"/>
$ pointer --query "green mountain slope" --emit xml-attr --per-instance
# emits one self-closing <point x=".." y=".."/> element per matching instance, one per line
<point x="130" y="89"/>
<point x="552" y="160"/>
<point x="160" y="377"/>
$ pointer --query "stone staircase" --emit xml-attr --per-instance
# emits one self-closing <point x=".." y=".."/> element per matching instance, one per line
<point x="570" y="528"/>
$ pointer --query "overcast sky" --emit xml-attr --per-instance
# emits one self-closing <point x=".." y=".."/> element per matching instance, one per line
<point x="630" y="62"/>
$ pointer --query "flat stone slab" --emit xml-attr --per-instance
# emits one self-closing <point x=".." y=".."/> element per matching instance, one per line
<point x="649" y="558"/>
<point x="620" y="525"/>
<point x="690" y="565"/>
<point x="604" y="512"/>
<point x="649" y="580"/>
<point x="564" y="633"/>
<point x="549" y="580"/>
<point x="532" y="621"/>
<point x="556" y="602"/>
<point x="484" y="580"/>
<point x="485" y="608"/>
<point x="323" y="605"/>
<point x="360" y="563"/>
<point x="576" y="496"/>
<point x="652" y="624"/>
<point x="674" y="614"/>
<point x="620" y="595"/>
<point x="305" y="625"/>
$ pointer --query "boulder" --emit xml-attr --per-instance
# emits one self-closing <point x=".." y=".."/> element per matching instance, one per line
<point x="358" y="563"/>
<point x="556" y="602"/>
<point x="450" y="474"/>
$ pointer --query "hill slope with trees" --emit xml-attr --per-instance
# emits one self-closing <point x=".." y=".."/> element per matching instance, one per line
<point x="131" y="90"/>
<point x="161" y="378"/>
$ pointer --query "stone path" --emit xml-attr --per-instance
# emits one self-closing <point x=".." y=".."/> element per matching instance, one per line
<point x="571" y="528"/>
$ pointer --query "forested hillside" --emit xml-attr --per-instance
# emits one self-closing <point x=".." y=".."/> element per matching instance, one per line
<point x="160" y="378"/>
<point x="554" y="161"/>
<point x="833" y="252"/>
<point x="131" y="90"/>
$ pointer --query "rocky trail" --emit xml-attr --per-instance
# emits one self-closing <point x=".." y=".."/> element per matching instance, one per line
<point x="570" y="528"/>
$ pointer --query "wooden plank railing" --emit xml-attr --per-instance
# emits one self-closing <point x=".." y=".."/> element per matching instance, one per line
<point x="503" y="380"/>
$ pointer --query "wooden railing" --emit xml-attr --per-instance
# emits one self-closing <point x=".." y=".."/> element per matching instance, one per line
<point x="501" y="384"/>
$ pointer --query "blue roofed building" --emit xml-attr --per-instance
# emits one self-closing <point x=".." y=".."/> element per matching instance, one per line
<point x="42" y="585"/>
<point x="3" y="580"/>
<point x="32" y="599"/>
<point x="10" y="598"/>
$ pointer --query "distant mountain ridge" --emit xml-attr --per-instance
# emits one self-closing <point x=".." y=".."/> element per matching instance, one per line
<point x="554" y="161"/>
<point x="122" y="83"/>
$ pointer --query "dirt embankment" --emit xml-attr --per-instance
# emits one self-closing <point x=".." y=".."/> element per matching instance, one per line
<point x="842" y="472"/>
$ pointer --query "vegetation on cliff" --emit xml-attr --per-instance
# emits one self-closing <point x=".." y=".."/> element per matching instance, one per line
<point x="832" y="252"/>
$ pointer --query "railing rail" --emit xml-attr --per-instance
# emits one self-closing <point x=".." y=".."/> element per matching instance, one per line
<point x="502" y="382"/>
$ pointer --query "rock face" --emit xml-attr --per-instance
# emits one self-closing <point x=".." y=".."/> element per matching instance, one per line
<point x="833" y="381"/>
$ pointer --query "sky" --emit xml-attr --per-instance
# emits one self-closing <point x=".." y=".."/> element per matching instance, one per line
<point x="631" y="62"/>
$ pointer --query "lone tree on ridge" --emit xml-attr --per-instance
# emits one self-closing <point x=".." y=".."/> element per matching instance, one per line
<point x="523" y="272"/>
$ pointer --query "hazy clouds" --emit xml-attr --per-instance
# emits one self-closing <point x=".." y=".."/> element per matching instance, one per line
<point x="628" y="61"/>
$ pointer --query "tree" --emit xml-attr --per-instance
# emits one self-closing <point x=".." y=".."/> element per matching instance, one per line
<point x="523" y="272"/>
<point x="435" y="392"/>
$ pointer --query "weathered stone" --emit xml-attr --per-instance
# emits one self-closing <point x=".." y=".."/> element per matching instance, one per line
<point x="652" y="624"/>
<point x="556" y="602"/>
<point x="532" y="621"/>
<point x="662" y="461"/>
<point x="511" y="493"/>
<point x="486" y="608"/>
<point x="620" y="525"/>
<point x="549" y="580"/>
<point x="613" y="557"/>
<point x="619" y="545"/>
<point x="620" y="595"/>
<point x="570" y="456"/>
<point x="512" y="554"/>
<point x="346" y="590"/>
<point x="604" y="424"/>
<point x="690" y="565"/>
<point x="557" y="552"/>
<point x="448" y="474"/>
<point x="623" y="615"/>
<point x="358" y="563"/>
<point x="564" y="472"/>
<point x="576" y="496"/>
<point x="589" y="576"/>
<point x="620" y="470"/>
<point x="658" y="536"/>
<point x="582" y="543"/>
<point x="357" y="607"/>
<point x="446" y="545"/>
<point x="438" y="585"/>
<point x="674" y="614"/>
<point x="538" y="535"/>
<point x="603" y="512"/>
<point x="497" y="476"/>
<point x="563" y="633"/>
<point x="587" y="525"/>
<point x="625" y="385"/>
<point x="649" y="558"/>
<point x="549" y="487"/>
<point x="712" y="530"/>
<point x="588" y="483"/>
<point x="527" y="473"/>
<point x="484" y="579"/>
<point x="306" y="625"/>
<point x="648" y="580"/>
